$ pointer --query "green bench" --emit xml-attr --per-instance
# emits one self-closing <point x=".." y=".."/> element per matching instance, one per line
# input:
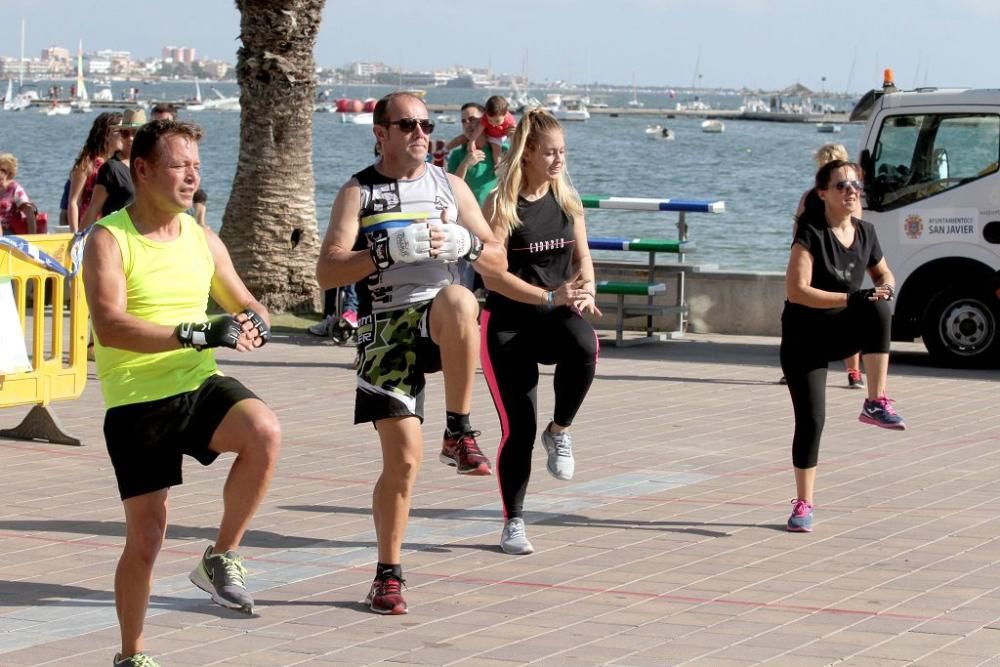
<point x="652" y="291"/>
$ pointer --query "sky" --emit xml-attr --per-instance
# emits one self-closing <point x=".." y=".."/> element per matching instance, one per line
<point x="758" y="44"/>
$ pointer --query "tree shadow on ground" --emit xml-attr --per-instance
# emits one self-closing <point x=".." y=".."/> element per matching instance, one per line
<point x="41" y="594"/>
<point x="263" y="539"/>
<point x="534" y="518"/>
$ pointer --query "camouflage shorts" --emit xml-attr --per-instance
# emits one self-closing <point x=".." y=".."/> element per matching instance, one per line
<point x="395" y="350"/>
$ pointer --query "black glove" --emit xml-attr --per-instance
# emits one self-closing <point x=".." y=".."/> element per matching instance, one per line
<point x="860" y="297"/>
<point x="263" y="331"/>
<point x="218" y="331"/>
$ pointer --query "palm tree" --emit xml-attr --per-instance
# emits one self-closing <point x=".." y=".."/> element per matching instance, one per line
<point x="269" y="224"/>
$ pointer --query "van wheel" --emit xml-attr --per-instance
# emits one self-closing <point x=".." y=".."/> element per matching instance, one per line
<point x="960" y="328"/>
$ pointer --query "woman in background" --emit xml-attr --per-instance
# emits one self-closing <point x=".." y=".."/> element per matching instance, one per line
<point x="102" y="142"/>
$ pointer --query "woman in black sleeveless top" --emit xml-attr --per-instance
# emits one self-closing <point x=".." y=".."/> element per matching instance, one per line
<point x="828" y="316"/>
<point x="533" y="312"/>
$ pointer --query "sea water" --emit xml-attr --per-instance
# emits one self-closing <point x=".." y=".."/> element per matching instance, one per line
<point x="759" y="169"/>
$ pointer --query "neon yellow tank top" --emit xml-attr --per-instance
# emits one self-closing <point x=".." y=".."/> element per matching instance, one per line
<point x="166" y="283"/>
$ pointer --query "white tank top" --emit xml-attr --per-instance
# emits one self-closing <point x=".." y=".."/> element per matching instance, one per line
<point x="388" y="203"/>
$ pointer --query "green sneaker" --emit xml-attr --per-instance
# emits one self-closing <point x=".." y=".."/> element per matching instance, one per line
<point x="137" y="660"/>
<point x="224" y="578"/>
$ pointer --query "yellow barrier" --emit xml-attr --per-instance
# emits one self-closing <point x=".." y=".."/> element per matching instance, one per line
<point x="58" y="357"/>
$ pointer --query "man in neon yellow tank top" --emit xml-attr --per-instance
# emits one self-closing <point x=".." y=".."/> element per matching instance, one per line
<point x="148" y="271"/>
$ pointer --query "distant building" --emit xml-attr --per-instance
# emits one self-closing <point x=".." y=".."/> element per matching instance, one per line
<point x="56" y="53"/>
<point x="215" y="69"/>
<point x="179" y="54"/>
<point x="366" y="70"/>
<point x="33" y="68"/>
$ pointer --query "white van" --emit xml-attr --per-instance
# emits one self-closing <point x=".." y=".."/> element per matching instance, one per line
<point x="932" y="190"/>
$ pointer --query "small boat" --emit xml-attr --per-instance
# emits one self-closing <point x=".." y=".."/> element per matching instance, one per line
<point x="660" y="132"/>
<point x="713" y="126"/>
<point x="570" y="111"/>
<point x="195" y="103"/>
<point x="221" y="102"/>
<point x="58" y="110"/>
<point x="361" y="118"/>
<point x="827" y="128"/>
<point x="446" y="119"/>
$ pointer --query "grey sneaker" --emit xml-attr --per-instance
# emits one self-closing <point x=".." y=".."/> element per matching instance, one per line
<point x="559" y="447"/>
<point x="224" y="578"/>
<point x="323" y="327"/>
<point x="513" y="540"/>
<point x="137" y="660"/>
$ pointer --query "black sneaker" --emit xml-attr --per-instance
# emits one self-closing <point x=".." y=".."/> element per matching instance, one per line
<point x="855" y="380"/>
<point x="224" y="578"/>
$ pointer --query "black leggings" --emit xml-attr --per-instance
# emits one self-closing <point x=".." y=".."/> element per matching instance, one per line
<point x="513" y="344"/>
<point x="810" y="339"/>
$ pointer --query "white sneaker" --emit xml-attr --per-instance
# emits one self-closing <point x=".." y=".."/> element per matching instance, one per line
<point x="322" y="328"/>
<point x="559" y="447"/>
<point x="513" y="540"/>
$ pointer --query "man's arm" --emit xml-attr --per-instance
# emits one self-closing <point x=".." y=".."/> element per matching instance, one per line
<point x="104" y="283"/>
<point x="493" y="260"/>
<point x="339" y="264"/>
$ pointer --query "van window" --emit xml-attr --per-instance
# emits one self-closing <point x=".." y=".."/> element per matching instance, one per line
<point x="918" y="156"/>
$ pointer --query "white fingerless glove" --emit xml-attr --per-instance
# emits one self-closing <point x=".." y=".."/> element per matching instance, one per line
<point x="459" y="243"/>
<point x="402" y="244"/>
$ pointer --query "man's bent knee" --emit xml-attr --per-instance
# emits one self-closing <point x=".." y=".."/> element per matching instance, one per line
<point x="458" y="305"/>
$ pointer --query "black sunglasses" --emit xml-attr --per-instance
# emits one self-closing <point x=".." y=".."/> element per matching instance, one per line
<point x="410" y="124"/>
<point x="843" y="185"/>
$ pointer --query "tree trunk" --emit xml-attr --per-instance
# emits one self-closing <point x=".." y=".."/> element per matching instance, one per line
<point x="270" y="221"/>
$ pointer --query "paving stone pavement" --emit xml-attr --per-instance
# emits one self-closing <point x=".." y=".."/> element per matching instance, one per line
<point x="667" y="548"/>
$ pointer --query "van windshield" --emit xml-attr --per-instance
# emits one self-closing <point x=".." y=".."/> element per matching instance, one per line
<point x="918" y="156"/>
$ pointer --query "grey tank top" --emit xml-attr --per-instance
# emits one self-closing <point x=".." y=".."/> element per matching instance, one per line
<point x="388" y="203"/>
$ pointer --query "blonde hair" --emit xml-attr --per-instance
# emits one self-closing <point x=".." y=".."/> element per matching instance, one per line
<point x="8" y="163"/>
<point x="829" y="153"/>
<point x="533" y="124"/>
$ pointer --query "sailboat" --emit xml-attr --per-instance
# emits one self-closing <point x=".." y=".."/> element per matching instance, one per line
<point x="24" y="96"/>
<point x="222" y="103"/>
<point x="195" y="104"/>
<point x="634" y="102"/>
<point x="8" y="99"/>
<point x="81" y="101"/>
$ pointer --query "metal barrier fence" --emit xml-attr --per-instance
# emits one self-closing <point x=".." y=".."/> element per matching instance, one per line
<point x="53" y="315"/>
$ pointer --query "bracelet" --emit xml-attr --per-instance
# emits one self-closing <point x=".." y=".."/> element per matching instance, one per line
<point x="549" y="299"/>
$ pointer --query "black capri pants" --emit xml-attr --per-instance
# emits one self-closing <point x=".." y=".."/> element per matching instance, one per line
<point x="810" y="339"/>
<point x="515" y="341"/>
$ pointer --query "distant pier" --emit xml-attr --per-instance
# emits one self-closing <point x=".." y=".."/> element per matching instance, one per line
<point x="641" y="112"/>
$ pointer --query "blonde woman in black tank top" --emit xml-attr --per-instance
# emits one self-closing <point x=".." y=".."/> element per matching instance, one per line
<point x="534" y="311"/>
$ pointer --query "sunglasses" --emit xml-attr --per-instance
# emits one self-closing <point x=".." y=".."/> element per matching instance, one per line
<point x="127" y="133"/>
<point x="472" y="119"/>
<point x="857" y="186"/>
<point x="410" y="124"/>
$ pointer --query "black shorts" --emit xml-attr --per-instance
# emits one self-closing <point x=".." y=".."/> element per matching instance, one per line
<point x="395" y="350"/>
<point x="147" y="441"/>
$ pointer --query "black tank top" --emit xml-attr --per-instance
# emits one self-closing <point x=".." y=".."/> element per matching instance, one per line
<point x="540" y="251"/>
